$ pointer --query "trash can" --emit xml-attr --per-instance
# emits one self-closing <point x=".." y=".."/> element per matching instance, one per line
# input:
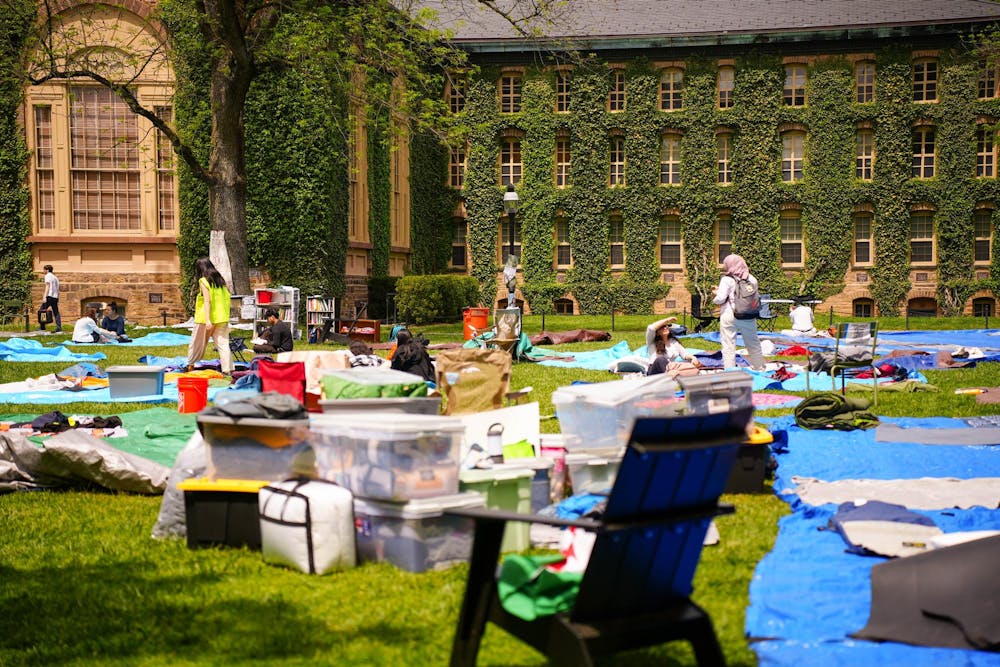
<point x="474" y="321"/>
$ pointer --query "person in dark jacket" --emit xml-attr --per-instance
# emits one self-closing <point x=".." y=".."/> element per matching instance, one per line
<point x="411" y="357"/>
<point x="277" y="336"/>
<point x="113" y="321"/>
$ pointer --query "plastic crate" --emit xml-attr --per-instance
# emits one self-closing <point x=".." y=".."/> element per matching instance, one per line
<point x="718" y="392"/>
<point x="429" y="405"/>
<point x="221" y="512"/>
<point x="600" y="415"/>
<point x="592" y="474"/>
<point x="505" y="488"/>
<point x="252" y="448"/>
<point x="389" y="456"/>
<point x="129" y="381"/>
<point x="415" y="536"/>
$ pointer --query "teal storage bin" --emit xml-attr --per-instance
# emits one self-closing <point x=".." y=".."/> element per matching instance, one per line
<point x="505" y="488"/>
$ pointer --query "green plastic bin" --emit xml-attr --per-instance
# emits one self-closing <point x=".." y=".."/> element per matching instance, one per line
<point x="504" y="489"/>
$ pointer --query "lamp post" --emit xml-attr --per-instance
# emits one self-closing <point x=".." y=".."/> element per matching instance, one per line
<point x="510" y="206"/>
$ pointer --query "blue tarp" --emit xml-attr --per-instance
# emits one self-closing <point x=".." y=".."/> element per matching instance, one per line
<point x="809" y="593"/>
<point x="102" y="395"/>
<point x="987" y="340"/>
<point x="155" y="339"/>
<point x="23" y="349"/>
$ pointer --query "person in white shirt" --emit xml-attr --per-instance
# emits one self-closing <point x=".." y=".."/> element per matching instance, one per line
<point x="802" y="319"/>
<point x="664" y="348"/>
<point x="735" y="268"/>
<point x="86" y="329"/>
<point x="51" y="298"/>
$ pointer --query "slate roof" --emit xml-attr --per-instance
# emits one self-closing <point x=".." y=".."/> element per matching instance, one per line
<point x="582" y="19"/>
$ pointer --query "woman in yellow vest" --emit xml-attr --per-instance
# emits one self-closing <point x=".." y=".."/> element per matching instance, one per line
<point x="211" y="316"/>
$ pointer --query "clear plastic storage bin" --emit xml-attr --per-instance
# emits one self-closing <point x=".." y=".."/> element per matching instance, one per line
<point x="420" y="405"/>
<point x="416" y="536"/>
<point x="389" y="456"/>
<point x="252" y="448"/>
<point x="600" y="415"/>
<point x="718" y="392"/>
<point x="592" y="474"/>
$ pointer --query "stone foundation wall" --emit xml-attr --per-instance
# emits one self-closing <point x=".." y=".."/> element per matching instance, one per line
<point x="144" y="298"/>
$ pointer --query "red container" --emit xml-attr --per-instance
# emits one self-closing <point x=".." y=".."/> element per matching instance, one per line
<point x="264" y="297"/>
<point x="474" y="321"/>
<point x="192" y="394"/>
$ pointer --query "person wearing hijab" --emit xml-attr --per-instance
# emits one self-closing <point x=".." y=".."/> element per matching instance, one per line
<point x="735" y="268"/>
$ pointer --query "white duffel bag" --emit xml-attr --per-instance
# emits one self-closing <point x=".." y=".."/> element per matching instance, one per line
<point x="307" y="524"/>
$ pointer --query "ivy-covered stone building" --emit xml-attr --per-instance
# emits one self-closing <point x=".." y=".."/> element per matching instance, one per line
<point x="846" y="149"/>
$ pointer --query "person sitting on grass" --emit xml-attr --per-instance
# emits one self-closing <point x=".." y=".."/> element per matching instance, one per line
<point x="363" y="355"/>
<point x="277" y="337"/>
<point x="86" y="330"/>
<point x="113" y="321"/>
<point x="664" y="349"/>
<point x="411" y="357"/>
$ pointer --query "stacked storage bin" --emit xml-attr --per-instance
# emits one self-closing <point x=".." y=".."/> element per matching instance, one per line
<point x="403" y="471"/>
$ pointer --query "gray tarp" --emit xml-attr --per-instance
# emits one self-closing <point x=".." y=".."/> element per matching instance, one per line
<point x="75" y="459"/>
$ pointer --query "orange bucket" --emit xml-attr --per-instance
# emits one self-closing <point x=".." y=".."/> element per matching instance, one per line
<point x="474" y="321"/>
<point x="192" y="394"/>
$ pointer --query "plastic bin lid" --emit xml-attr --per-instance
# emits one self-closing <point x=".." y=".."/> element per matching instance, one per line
<point x="420" y="508"/>
<point x="135" y="369"/>
<point x="373" y="376"/>
<point x="495" y="474"/>
<point x="397" y="423"/>
<point x="616" y="392"/>
<point x="592" y="460"/>
<point x="237" y="485"/>
<point x="250" y="421"/>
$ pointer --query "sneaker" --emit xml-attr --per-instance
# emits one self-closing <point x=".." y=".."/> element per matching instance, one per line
<point x="57" y="330"/>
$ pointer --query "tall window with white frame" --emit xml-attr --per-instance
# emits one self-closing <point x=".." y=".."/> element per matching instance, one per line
<point x="923" y="152"/>
<point x="986" y="153"/>
<point x="863" y="238"/>
<point x="510" y="93"/>
<point x="925" y="80"/>
<point x="456" y="167"/>
<point x="459" y="239"/>
<point x="723" y="234"/>
<point x="670" y="159"/>
<point x="922" y="237"/>
<point x="792" y="156"/>
<point x="616" y="240"/>
<point x="671" y="89"/>
<point x="987" y="81"/>
<point x="864" y="82"/>
<point x="505" y="238"/>
<point x="723" y="151"/>
<point x="563" y="161"/>
<point x="564" y="251"/>
<point x="511" y="166"/>
<point x="864" y="154"/>
<point x="725" y="84"/>
<point x="792" y="248"/>
<point x="670" y="240"/>
<point x="456" y="93"/>
<point x="982" y="223"/>
<point x="616" y="95"/>
<point x="104" y="161"/>
<point x="45" y="176"/>
<point x="794" y="94"/>
<point x="166" y="189"/>
<point x="562" y="92"/>
<point x="616" y="174"/>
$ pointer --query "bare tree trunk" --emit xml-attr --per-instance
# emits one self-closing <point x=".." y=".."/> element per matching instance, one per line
<point x="227" y="163"/>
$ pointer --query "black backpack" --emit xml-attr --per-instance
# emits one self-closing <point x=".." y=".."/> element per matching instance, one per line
<point x="746" y="300"/>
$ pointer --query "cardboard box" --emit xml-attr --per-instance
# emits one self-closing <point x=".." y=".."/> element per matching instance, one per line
<point x="129" y="381"/>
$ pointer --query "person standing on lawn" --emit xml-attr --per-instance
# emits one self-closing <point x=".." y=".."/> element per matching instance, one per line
<point x="51" y="298"/>
<point x="734" y="268"/>
<point x="211" y="316"/>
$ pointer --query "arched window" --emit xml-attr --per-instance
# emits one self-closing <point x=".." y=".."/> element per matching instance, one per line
<point x="563" y="306"/>
<point x="670" y="159"/>
<point x="984" y="306"/>
<point x="793" y="150"/>
<point x="863" y="308"/>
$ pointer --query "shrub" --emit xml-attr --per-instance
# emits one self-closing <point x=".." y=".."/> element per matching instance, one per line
<point x="435" y="298"/>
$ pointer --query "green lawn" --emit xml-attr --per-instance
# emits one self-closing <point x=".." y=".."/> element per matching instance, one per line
<point x="82" y="583"/>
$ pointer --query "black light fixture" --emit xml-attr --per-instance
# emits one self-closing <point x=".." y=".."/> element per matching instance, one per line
<point x="510" y="206"/>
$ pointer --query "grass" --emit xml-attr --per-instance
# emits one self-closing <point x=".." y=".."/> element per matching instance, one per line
<point x="83" y="583"/>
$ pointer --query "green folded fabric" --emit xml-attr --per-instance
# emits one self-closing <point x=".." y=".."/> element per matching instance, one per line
<point x="830" y="410"/>
<point x="528" y="589"/>
<point x="337" y="387"/>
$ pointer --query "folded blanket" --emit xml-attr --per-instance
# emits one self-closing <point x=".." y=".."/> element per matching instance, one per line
<point x="834" y="411"/>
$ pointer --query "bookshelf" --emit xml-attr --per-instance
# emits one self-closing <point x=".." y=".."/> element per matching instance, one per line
<point x="319" y="309"/>
<point x="285" y="300"/>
